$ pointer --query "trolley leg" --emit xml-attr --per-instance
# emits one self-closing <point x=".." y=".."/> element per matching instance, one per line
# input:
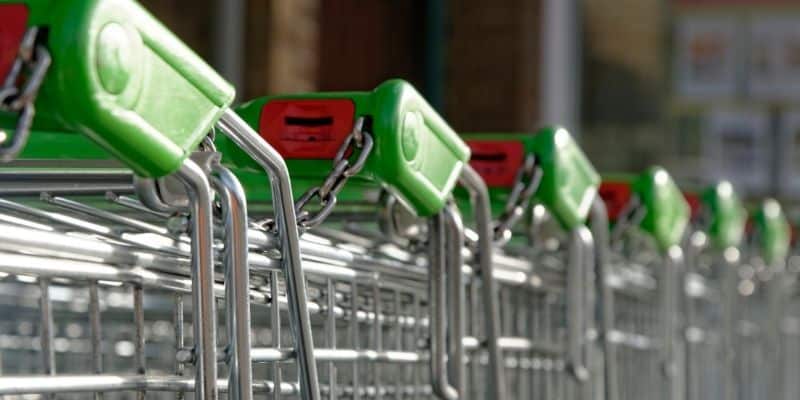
<point x="438" y="302"/>
<point x="457" y="297"/>
<point x="729" y="318"/>
<point x="599" y="228"/>
<point x="479" y="194"/>
<point x="237" y="281"/>
<point x="579" y="310"/>
<point x="203" y="307"/>
<point x="669" y="289"/>
<point x="248" y="140"/>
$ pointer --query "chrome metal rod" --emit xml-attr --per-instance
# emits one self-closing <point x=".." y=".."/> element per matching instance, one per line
<point x="108" y="216"/>
<point x="437" y="247"/>
<point x="776" y="295"/>
<point x="138" y="320"/>
<point x="56" y="244"/>
<point x="691" y="373"/>
<point x="600" y="232"/>
<point x="46" y="334"/>
<point x="479" y="195"/>
<point x="342" y="355"/>
<point x="731" y="259"/>
<point x="669" y="277"/>
<point x="286" y="220"/>
<point x="237" y="281"/>
<point x="204" y="319"/>
<point x="114" y="383"/>
<point x="577" y="306"/>
<point x="456" y="297"/>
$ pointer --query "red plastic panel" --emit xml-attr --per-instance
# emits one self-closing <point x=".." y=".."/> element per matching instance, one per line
<point x="694" y="203"/>
<point x="13" y="23"/>
<point x="616" y="195"/>
<point x="496" y="161"/>
<point x="307" y="129"/>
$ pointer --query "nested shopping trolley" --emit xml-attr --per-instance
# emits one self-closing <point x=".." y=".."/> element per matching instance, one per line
<point x="713" y="253"/>
<point x="549" y="237"/>
<point x="381" y="240"/>
<point x="647" y="260"/>
<point x="123" y="234"/>
<point x="156" y="242"/>
<point x="760" y="297"/>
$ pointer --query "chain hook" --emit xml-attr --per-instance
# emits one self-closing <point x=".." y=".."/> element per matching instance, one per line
<point x="526" y="182"/>
<point x="343" y="169"/>
<point x="34" y="59"/>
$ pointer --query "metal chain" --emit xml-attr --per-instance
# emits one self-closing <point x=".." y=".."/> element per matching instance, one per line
<point x="357" y="142"/>
<point x="526" y="182"/>
<point x="15" y="96"/>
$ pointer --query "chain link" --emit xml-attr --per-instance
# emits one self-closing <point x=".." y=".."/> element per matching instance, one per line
<point x="525" y="184"/>
<point x="33" y="59"/>
<point x="358" y="143"/>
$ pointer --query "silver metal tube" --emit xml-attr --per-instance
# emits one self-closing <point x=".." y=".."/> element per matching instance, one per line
<point x="46" y="334"/>
<point x="113" y="383"/>
<point x="341" y="355"/>
<point x="56" y="244"/>
<point x="479" y="195"/>
<point x="204" y="319"/>
<point x="691" y="373"/>
<point x="576" y="306"/>
<point x="731" y="258"/>
<point x="600" y="232"/>
<point x="457" y="296"/>
<point x="437" y="247"/>
<point x="138" y="320"/>
<point x="249" y="141"/>
<point x="237" y="281"/>
<point x="95" y="327"/>
<point x="669" y="288"/>
<point x="775" y="338"/>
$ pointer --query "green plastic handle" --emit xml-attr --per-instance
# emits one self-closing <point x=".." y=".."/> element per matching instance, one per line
<point x="773" y="230"/>
<point x="569" y="181"/>
<point x="416" y="155"/>
<point x="667" y="212"/>
<point x="727" y="215"/>
<point x="123" y="79"/>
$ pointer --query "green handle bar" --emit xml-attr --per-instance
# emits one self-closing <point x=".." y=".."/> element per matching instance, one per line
<point x="667" y="212"/>
<point x="416" y="155"/>
<point x="569" y="182"/>
<point x="123" y="79"/>
<point x="727" y="216"/>
<point x="773" y="230"/>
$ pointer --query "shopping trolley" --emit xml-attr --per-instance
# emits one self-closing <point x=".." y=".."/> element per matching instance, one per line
<point x="123" y="239"/>
<point x="547" y="293"/>
<point x="760" y="305"/>
<point x="646" y="260"/>
<point x="381" y="240"/>
<point x="709" y="280"/>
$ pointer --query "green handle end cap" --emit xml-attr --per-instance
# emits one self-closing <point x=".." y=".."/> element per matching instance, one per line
<point x="773" y="230"/>
<point x="569" y="181"/>
<point x="726" y="213"/>
<point x="667" y="212"/>
<point x="417" y="155"/>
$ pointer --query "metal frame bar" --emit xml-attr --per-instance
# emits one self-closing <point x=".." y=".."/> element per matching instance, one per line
<point x="479" y="194"/>
<point x="286" y="221"/>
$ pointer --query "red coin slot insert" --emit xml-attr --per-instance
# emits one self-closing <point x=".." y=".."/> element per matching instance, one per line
<point x="616" y="195"/>
<point x="496" y="161"/>
<point x="307" y="129"/>
<point x="13" y="23"/>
